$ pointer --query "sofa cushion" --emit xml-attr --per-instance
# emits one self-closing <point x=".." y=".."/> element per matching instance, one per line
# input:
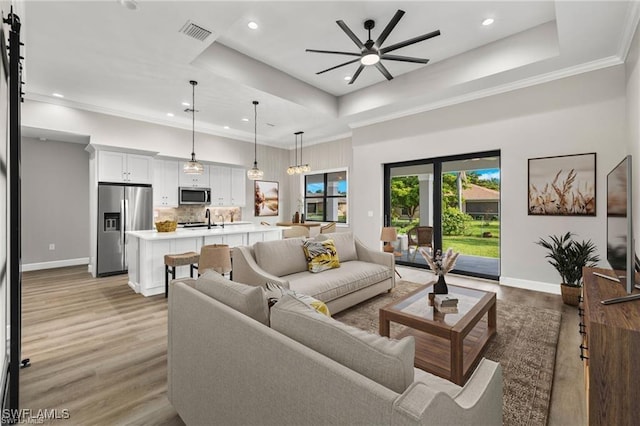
<point x="345" y="244"/>
<point x="334" y="283"/>
<point x="321" y="255"/>
<point x="247" y="299"/>
<point x="280" y="257"/>
<point x="383" y="360"/>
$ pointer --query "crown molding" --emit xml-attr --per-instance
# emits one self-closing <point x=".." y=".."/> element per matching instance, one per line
<point x="496" y="90"/>
<point x="630" y="25"/>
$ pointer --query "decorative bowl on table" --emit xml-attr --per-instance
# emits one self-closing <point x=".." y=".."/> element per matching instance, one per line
<point x="166" y="226"/>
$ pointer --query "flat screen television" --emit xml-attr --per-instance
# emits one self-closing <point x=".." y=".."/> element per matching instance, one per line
<point x="620" y="244"/>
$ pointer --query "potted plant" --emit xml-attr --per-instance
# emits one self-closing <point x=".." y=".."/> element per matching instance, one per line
<point x="569" y="257"/>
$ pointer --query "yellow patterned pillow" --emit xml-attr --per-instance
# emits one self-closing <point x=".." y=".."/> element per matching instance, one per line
<point x="321" y="255"/>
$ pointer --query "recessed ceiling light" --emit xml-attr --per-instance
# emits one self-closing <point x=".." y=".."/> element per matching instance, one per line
<point x="129" y="4"/>
<point x="252" y="25"/>
<point x="245" y="119"/>
<point x="186" y="104"/>
<point x="488" y="21"/>
<point x="226" y="127"/>
<point x="347" y="78"/>
<point x="170" y="114"/>
<point x="58" y="95"/>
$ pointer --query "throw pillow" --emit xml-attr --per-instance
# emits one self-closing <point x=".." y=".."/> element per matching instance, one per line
<point x="386" y="361"/>
<point x="275" y="292"/>
<point x="321" y="255"/>
<point x="247" y="299"/>
<point x="345" y="244"/>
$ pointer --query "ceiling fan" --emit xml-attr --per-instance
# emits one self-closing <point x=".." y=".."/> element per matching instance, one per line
<point x="371" y="53"/>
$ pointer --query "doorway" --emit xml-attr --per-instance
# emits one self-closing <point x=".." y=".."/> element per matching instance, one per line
<point x="447" y="202"/>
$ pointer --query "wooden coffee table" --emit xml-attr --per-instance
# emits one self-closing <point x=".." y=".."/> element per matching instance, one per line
<point x="447" y="345"/>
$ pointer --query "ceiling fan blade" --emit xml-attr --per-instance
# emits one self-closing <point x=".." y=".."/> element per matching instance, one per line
<point x="351" y="35"/>
<point x="356" y="74"/>
<point x="338" y="66"/>
<point x="390" y="26"/>
<point x="384" y="71"/>
<point x="404" y="59"/>
<point x="409" y="42"/>
<point x="335" y="52"/>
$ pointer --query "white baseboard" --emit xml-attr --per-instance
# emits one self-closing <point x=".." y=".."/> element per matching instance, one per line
<point x="530" y="285"/>
<point x="55" y="264"/>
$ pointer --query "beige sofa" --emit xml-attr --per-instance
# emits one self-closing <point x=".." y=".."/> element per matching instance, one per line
<point x="227" y="367"/>
<point x="363" y="273"/>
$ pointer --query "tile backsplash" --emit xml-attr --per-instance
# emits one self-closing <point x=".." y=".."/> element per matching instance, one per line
<point x="196" y="214"/>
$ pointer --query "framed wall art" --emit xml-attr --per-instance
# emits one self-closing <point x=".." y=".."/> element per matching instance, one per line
<point x="265" y="198"/>
<point x="563" y="186"/>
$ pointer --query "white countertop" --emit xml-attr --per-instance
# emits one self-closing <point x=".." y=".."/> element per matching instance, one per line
<point x="203" y="232"/>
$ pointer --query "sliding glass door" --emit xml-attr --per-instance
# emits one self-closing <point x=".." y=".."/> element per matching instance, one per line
<point x="447" y="202"/>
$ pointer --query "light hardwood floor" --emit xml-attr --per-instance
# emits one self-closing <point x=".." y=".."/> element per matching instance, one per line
<point x="99" y="350"/>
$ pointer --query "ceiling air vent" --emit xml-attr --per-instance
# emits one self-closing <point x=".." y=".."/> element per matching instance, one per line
<point x="195" y="31"/>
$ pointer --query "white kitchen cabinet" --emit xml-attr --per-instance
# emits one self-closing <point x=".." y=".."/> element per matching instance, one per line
<point x="121" y="167"/>
<point x="195" y="181"/>
<point x="238" y="187"/>
<point x="228" y="186"/>
<point x="165" y="183"/>
<point x="220" y="183"/>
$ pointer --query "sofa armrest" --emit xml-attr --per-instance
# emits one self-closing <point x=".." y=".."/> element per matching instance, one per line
<point x="191" y="282"/>
<point x="247" y="271"/>
<point x="366" y="254"/>
<point x="479" y="402"/>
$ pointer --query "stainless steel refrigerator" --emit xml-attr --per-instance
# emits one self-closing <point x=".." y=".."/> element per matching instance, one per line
<point x="121" y="208"/>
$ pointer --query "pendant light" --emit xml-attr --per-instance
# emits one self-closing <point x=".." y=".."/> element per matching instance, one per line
<point x="193" y="167"/>
<point x="299" y="167"/>
<point x="291" y="170"/>
<point x="255" y="173"/>
<point x="304" y="168"/>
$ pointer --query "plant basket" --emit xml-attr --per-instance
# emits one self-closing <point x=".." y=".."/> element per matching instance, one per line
<point x="570" y="295"/>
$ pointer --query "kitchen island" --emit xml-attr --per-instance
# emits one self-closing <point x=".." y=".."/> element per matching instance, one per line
<point x="146" y="250"/>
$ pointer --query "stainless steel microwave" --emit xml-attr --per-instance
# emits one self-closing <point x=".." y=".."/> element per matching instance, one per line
<point x="187" y="195"/>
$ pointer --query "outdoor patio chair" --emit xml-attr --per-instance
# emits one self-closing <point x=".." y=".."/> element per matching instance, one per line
<point x="420" y="236"/>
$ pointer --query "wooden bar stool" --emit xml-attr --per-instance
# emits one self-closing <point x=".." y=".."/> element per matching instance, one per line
<point x="216" y="257"/>
<point x="172" y="261"/>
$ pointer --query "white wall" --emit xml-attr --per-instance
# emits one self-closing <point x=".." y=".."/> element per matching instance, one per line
<point x="580" y="114"/>
<point x="633" y="128"/>
<point x="55" y="203"/>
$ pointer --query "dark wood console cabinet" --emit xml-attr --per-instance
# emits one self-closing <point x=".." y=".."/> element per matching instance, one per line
<point x="611" y="352"/>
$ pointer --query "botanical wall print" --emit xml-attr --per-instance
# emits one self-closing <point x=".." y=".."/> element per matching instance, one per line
<point x="563" y="185"/>
<point x="266" y="198"/>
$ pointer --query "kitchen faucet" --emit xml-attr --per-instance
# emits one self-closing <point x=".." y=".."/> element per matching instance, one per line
<point x="222" y="217"/>
<point x="207" y="215"/>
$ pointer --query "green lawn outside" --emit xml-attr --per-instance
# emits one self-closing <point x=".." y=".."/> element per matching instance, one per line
<point x="473" y="243"/>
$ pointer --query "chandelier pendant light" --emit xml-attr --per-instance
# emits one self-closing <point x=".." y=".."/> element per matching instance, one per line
<point x="304" y="168"/>
<point x="193" y="167"/>
<point x="298" y="168"/>
<point x="255" y="173"/>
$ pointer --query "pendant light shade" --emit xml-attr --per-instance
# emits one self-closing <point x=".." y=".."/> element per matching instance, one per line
<point x="299" y="167"/>
<point x="193" y="167"/>
<point x="255" y="173"/>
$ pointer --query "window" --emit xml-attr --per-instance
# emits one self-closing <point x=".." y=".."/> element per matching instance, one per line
<point x="325" y="197"/>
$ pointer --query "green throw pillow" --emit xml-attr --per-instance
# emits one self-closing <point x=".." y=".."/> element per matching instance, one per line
<point x="321" y="255"/>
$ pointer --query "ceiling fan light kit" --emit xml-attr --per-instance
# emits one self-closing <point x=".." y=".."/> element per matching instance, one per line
<point x="372" y="53"/>
<point x="255" y="173"/>
<point x="193" y="167"/>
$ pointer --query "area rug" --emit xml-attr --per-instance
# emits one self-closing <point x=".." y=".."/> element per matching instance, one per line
<point x="525" y="347"/>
